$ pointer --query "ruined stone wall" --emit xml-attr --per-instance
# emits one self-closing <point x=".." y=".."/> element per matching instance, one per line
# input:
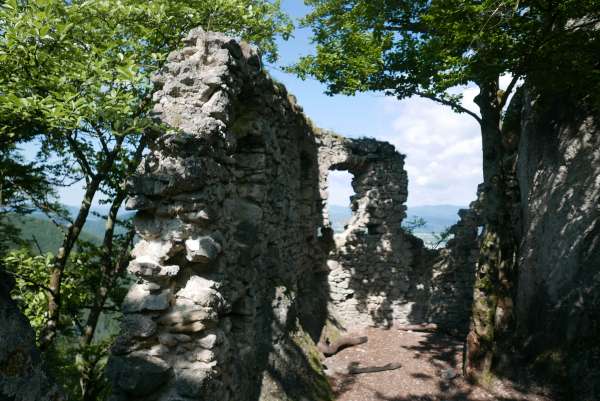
<point x="374" y="265"/>
<point x="228" y="214"/>
<point x="237" y="268"/>
<point x="453" y="273"/>
<point x="380" y="275"/>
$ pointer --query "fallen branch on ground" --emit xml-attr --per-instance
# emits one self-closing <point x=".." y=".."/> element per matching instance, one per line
<point x="426" y="327"/>
<point x="355" y="370"/>
<point x="343" y="342"/>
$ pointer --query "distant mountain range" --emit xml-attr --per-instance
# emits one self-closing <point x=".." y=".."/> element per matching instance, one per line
<point x="95" y="223"/>
<point x="437" y="217"/>
<point x="37" y="227"/>
<point x="49" y="237"/>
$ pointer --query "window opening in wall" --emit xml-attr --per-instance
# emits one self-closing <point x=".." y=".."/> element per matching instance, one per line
<point x="338" y="202"/>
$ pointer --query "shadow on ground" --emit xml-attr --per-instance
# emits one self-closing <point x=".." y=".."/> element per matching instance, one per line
<point x="431" y="370"/>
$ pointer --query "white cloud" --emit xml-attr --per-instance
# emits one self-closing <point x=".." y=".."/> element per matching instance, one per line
<point x="442" y="148"/>
<point x="340" y="187"/>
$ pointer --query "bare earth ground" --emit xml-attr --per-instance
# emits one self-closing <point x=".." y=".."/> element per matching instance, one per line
<point x="431" y="366"/>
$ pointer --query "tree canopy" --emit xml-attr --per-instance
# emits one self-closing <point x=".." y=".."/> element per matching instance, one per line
<point x="422" y="47"/>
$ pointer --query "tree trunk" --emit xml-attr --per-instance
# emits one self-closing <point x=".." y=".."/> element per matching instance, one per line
<point x="492" y="311"/>
<point x="62" y="256"/>
<point x="111" y="269"/>
<point x="60" y="261"/>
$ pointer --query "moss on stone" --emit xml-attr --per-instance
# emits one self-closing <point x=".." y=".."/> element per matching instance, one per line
<point x="243" y="122"/>
<point x="15" y="364"/>
<point x="552" y="365"/>
<point x="319" y="388"/>
<point x="331" y="331"/>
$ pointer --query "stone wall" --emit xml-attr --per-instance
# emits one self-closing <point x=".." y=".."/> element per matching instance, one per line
<point x="228" y="217"/>
<point x="378" y="273"/>
<point x="558" y="300"/>
<point x="453" y="273"/>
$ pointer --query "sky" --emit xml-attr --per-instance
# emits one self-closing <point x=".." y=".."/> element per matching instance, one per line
<point x="442" y="148"/>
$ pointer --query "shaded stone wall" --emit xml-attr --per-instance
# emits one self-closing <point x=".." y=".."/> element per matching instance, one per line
<point x="228" y="214"/>
<point x="453" y="273"/>
<point x="558" y="300"/>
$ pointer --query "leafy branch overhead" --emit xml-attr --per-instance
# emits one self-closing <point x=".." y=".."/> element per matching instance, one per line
<point x="425" y="48"/>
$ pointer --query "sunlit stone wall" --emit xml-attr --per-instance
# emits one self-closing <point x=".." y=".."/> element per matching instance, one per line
<point x="227" y="217"/>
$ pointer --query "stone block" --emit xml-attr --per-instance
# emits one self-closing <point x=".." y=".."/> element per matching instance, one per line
<point x="139" y="299"/>
<point x="138" y="374"/>
<point x="137" y="325"/>
<point x="202" y="249"/>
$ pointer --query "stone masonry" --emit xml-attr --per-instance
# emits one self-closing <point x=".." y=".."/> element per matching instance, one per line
<point x="380" y="275"/>
<point x="227" y="218"/>
<point x="372" y="263"/>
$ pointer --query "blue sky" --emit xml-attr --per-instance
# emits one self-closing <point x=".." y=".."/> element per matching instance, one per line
<point x="443" y="148"/>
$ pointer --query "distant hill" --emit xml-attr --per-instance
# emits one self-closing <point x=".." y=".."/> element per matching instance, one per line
<point x="438" y="217"/>
<point x="49" y="236"/>
<point x="94" y="224"/>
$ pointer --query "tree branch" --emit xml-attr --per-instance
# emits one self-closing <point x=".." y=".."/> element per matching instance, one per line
<point x="80" y="157"/>
<point x="449" y="103"/>
<point x="37" y="244"/>
<point x="28" y="280"/>
<point x="508" y="91"/>
<point x="403" y="25"/>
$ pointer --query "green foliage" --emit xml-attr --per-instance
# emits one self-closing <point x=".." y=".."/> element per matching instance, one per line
<point x="75" y="76"/>
<point x="441" y="238"/>
<point x="32" y="271"/>
<point x="421" y="47"/>
<point x="413" y="224"/>
<point x="68" y="360"/>
<point x="28" y="271"/>
<point x="75" y="86"/>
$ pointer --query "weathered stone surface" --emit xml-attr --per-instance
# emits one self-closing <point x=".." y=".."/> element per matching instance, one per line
<point x="373" y="261"/>
<point x="138" y="374"/>
<point x="187" y="315"/>
<point x="235" y="237"/>
<point x="148" y="268"/>
<point x="140" y="298"/>
<point x="22" y="373"/>
<point x="202" y="249"/>
<point x="558" y="301"/>
<point x="167" y="339"/>
<point x="138" y="325"/>
<point x="208" y="342"/>
<point x="201" y="384"/>
<point x="194" y="327"/>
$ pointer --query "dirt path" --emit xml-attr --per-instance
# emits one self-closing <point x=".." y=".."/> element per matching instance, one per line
<point x="430" y="371"/>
